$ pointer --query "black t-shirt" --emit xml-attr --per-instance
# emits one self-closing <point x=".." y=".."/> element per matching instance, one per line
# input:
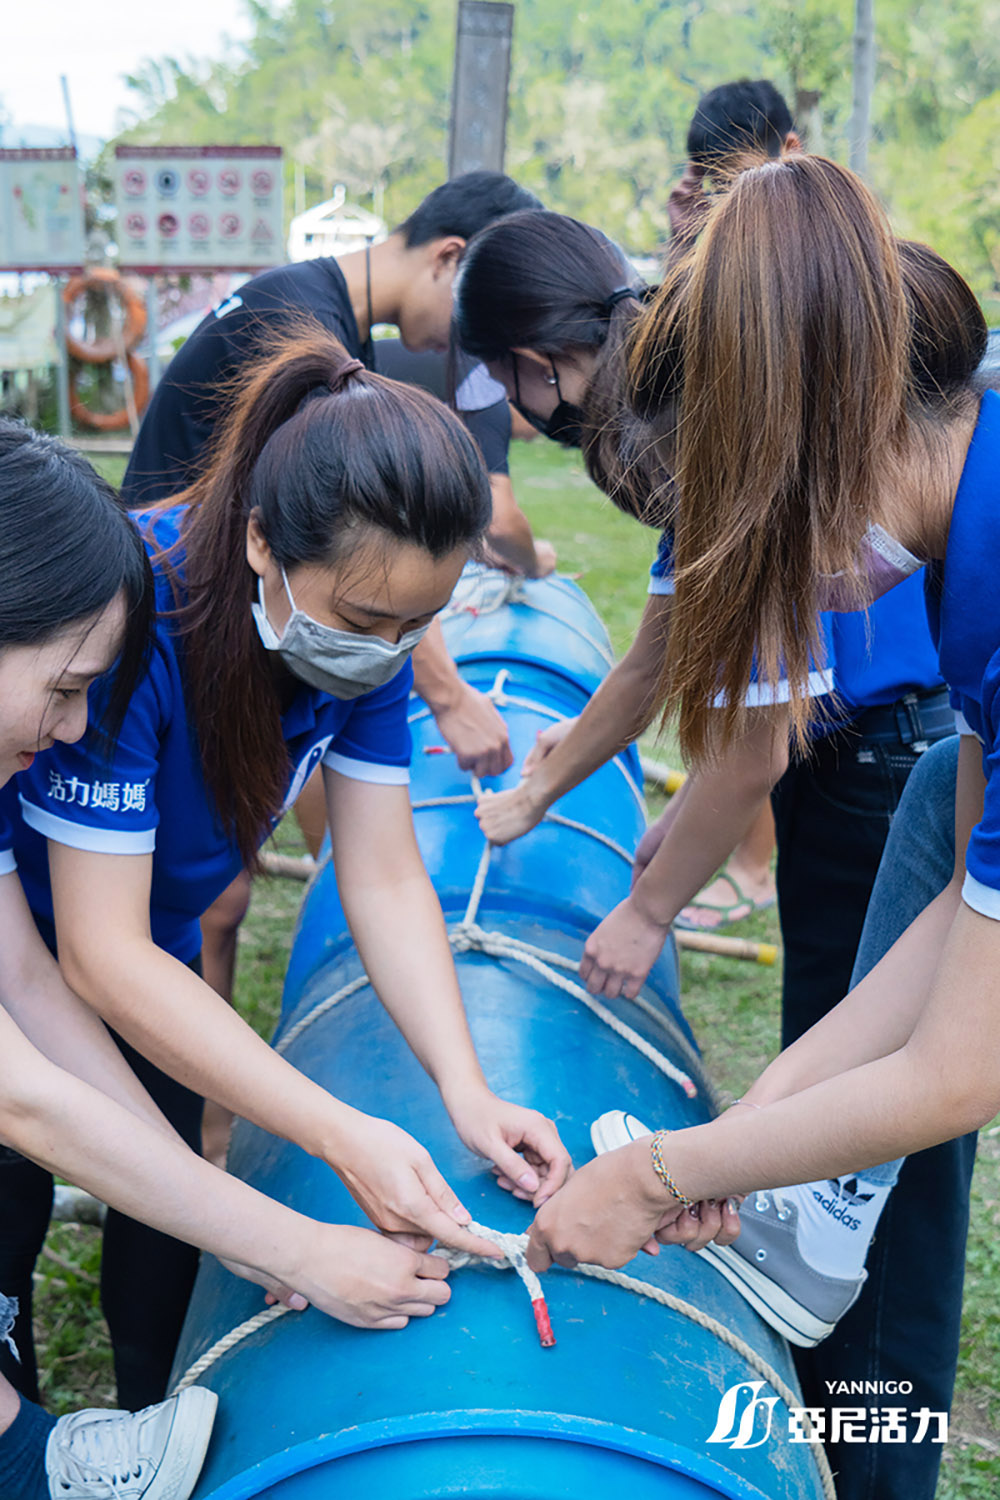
<point x="184" y="408"/>
<point x="181" y="416"/>
<point x="489" y="424"/>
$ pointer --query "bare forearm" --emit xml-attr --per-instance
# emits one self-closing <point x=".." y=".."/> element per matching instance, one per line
<point x="716" y="809"/>
<point x="435" y="676"/>
<point x="510" y="538"/>
<point x="706" y="829"/>
<point x="942" y="1081"/>
<point x="414" y="974"/>
<point x="57" y="1022"/>
<point x="616" y="715"/>
<point x="176" y="1020"/>
<point x="63" y="1124"/>
<point x="876" y="1018"/>
<point x="869" y="1115"/>
<point x="69" y="1034"/>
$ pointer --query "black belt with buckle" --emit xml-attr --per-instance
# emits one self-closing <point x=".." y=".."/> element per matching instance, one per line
<point x="918" y="718"/>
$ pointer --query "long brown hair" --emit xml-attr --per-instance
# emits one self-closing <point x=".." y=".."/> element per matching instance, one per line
<point x="775" y="358"/>
<point x="326" y="453"/>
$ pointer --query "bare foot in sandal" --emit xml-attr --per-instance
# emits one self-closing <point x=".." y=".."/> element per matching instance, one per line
<point x="745" y="885"/>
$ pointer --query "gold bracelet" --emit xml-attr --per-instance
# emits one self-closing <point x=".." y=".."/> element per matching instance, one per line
<point x="659" y="1167"/>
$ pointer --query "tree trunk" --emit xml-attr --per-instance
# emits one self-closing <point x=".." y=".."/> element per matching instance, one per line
<point x="809" y="120"/>
<point x="864" y="83"/>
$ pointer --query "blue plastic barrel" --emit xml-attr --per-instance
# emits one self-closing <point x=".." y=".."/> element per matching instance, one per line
<point x="467" y="1403"/>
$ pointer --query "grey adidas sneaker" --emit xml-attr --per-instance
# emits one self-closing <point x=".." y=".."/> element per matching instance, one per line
<point x="764" y="1264"/>
<point x="155" y="1454"/>
<point x="767" y="1268"/>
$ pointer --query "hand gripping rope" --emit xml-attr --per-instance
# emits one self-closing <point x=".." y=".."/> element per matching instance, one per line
<point x="468" y="936"/>
<point x="514" y="1247"/>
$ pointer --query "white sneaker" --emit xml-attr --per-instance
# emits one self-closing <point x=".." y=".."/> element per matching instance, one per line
<point x="614" y="1129"/>
<point x="154" y="1454"/>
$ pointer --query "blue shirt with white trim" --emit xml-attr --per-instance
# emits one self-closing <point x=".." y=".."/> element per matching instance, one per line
<point x="8" y="815"/>
<point x="963" y="601"/>
<point x="871" y="657"/>
<point x="151" y="797"/>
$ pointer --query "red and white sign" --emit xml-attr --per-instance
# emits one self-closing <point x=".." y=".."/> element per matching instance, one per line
<point x="199" y="208"/>
<point x="41" y="210"/>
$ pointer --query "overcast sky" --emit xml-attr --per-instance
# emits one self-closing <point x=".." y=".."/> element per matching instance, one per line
<point x="94" y="43"/>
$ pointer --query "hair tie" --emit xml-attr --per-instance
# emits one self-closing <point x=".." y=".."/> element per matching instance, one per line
<point x="351" y="367"/>
<point x="619" y="295"/>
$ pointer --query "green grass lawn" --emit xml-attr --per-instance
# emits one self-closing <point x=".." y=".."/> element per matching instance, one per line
<point x="734" y="1008"/>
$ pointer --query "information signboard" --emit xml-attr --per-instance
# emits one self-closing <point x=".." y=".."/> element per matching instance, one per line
<point x="41" y="210"/>
<point x="199" y="208"/>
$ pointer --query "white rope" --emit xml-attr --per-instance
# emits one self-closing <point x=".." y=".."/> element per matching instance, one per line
<point x="514" y="1247"/>
<point x="498" y="945"/>
<point x="229" y="1341"/>
<point x="468" y="936"/>
<point x="548" y="713"/>
<point x="468" y="799"/>
<point x="320" y="1010"/>
<point x="515" y="1257"/>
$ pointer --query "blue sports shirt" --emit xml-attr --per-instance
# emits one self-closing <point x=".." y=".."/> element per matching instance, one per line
<point x="871" y="657"/>
<point x="152" y="799"/>
<point x="8" y="817"/>
<point x="963" y="602"/>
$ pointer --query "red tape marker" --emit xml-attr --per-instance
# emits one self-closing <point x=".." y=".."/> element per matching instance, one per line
<point x="545" y="1335"/>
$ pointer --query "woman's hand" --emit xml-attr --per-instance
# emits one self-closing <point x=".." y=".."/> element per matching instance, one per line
<point x="612" y="1209"/>
<point x="367" y="1280"/>
<point x="505" y="816"/>
<point x="546" y="741"/>
<point x="528" y="1157"/>
<point x="545" y="558"/>
<point x="619" y="953"/>
<point x="616" y="1206"/>
<point x="475" y="730"/>
<point x="392" y="1177"/>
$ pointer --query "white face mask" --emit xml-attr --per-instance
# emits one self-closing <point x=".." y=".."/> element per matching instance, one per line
<point x="882" y="563"/>
<point x="339" y="662"/>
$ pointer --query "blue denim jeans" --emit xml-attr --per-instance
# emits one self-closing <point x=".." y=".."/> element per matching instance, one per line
<point x="905" y="1325"/>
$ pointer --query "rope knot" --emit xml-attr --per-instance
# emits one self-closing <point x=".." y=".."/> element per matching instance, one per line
<point x="513" y="1247"/>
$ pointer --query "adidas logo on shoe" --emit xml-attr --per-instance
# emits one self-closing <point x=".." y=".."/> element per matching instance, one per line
<point x="842" y="1196"/>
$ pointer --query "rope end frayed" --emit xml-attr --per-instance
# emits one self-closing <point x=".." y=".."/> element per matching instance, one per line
<point x="546" y="1337"/>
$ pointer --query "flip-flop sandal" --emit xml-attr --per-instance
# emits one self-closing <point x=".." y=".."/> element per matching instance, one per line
<point x="736" y="911"/>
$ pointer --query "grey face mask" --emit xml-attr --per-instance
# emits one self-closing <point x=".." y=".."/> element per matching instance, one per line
<point x="339" y="662"/>
<point x="882" y="563"/>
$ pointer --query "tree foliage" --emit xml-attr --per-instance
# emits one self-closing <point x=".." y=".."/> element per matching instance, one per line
<point x="601" y="96"/>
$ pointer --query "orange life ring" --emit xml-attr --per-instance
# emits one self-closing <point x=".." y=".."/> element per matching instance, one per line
<point x="102" y="351"/>
<point x="112" y="421"/>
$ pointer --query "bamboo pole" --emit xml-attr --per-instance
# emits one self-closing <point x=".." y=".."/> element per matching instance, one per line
<point x="658" y="773"/>
<point x="726" y="947"/>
